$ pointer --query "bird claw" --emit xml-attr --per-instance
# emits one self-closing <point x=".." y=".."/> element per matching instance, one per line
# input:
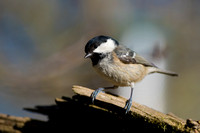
<point x="128" y="105"/>
<point x="95" y="93"/>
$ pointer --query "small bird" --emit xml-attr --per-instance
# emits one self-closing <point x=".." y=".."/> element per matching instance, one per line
<point x="118" y="64"/>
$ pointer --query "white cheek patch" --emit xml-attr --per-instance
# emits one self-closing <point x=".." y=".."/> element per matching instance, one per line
<point x="106" y="47"/>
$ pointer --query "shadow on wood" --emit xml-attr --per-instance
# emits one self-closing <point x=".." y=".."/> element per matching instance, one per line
<point x="79" y="114"/>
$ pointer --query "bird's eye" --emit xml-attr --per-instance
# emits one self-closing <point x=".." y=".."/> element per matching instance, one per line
<point x="95" y="46"/>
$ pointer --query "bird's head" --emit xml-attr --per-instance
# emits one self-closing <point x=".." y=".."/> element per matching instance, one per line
<point x="100" y="45"/>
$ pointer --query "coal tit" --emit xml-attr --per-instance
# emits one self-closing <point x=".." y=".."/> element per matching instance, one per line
<point x="118" y="64"/>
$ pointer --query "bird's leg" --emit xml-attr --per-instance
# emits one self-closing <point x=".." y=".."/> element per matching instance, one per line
<point x="129" y="101"/>
<point x="96" y="92"/>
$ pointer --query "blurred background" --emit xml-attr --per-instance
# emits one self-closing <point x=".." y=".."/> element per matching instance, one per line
<point x="42" y="48"/>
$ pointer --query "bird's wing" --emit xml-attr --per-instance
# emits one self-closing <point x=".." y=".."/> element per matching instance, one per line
<point x="128" y="56"/>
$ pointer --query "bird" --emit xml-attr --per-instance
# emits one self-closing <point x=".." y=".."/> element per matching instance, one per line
<point x="119" y="65"/>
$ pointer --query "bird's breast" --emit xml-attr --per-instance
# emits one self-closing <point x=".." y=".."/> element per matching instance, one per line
<point x="118" y="73"/>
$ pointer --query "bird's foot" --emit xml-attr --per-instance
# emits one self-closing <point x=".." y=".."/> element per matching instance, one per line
<point x="95" y="93"/>
<point x="128" y="105"/>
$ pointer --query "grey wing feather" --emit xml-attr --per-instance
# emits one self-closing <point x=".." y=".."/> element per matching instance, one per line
<point x="128" y="56"/>
<point x="143" y="61"/>
<point x="125" y="54"/>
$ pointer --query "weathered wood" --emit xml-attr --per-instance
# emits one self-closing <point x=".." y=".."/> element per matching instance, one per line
<point x="106" y="114"/>
<point x="14" y="124"/>
<point x="150" y="116"/>
<point x="11" y="124"/>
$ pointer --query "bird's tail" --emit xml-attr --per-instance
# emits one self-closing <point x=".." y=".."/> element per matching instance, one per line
<point x="166" y="72"/>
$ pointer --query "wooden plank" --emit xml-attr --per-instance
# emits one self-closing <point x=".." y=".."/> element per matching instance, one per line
<point x="149" y="115"/>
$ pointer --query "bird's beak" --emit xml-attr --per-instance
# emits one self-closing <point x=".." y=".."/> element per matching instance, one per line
<point x="88" y="55"/>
